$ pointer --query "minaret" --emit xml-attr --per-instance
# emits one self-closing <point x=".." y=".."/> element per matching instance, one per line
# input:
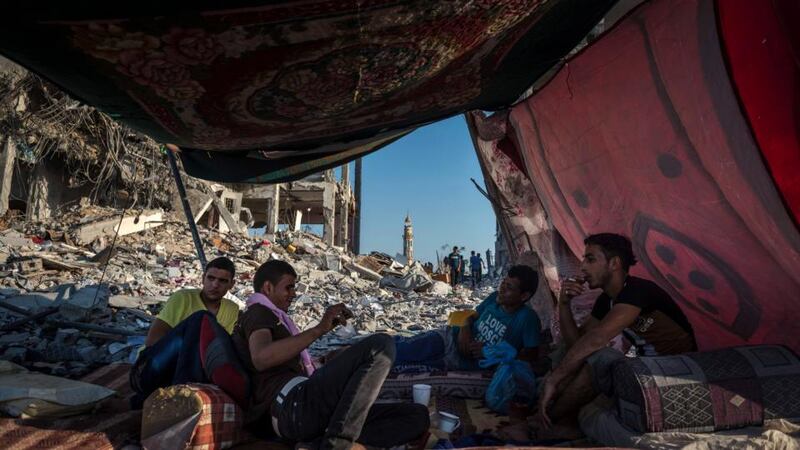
<point x="408" y="240"/>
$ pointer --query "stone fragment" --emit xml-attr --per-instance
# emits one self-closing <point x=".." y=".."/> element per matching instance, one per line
<point x="80" y="304"/>
<point x="13" y="338"/>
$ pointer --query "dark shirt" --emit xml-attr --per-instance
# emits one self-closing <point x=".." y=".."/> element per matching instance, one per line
<point x="661" y="327"/>
<point x="455" y="260"/>
<point x="265" y="384"/>
<point x="475" y="263"/>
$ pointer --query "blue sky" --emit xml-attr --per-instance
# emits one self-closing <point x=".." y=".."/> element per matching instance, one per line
<point x="426" y="174"/>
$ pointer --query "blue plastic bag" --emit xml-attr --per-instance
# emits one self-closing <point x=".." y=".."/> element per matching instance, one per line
<point x="512" y="378"/>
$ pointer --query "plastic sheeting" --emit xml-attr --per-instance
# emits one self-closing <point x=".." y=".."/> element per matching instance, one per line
<point x="642" y="133"/>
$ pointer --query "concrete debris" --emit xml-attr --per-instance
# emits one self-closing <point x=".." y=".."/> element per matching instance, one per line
<point x="132" y="223"/>
<point x="413" y="279"/>
<point x="89" y="303"/>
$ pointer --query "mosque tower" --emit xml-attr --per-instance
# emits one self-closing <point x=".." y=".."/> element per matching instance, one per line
<point x="408" y="240"/>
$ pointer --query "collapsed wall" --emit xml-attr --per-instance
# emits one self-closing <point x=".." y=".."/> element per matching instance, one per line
<point x="55" y="151"/>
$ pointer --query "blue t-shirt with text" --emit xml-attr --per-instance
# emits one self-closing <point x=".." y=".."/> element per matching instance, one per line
<point x="521" y="329"/>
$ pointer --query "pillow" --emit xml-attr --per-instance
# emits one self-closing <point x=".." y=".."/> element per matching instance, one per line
<point x="191" y="416"/>
<point x="31" y="394"/>
<point x="708" y="391"/>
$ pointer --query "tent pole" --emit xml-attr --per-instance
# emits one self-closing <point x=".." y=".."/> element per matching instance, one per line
<point x="356" y="240"/>
<point x="198" y="245"/>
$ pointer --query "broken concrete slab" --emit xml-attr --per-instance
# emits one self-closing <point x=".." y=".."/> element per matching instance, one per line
<point x="371" y="263"/>
<point x="33" y="302"/>
<point x="52" y="263"/>
<point x="364" y="272"/>
<point x="333" y="262"/>
<point x="129" y="224"/>
<point x="129" y="301"/>
<point x="14" y="239"/>
<point x="81" y="303"/>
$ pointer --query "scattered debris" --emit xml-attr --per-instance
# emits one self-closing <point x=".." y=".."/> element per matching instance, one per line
<point x="69" y="301"/>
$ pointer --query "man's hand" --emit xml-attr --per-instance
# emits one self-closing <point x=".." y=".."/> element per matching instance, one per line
<point x="334" y="316"/>
<point x="476" y="349"/>
<point x="547" y="396"/>
<point x="570" y="288"/>
<point x="465" y="341"/>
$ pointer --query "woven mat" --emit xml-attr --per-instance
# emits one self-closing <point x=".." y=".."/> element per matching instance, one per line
<point x="475" y="416"/>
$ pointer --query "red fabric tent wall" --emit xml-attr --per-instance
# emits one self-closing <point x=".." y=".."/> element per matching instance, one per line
<point x="642" y="133"/>
<point x="762" y="46"/>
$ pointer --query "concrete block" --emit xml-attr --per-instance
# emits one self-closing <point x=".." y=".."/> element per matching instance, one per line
<point x="79" y="305"/>
<point x="129" y="225"/>
<point x="364" y="273"/>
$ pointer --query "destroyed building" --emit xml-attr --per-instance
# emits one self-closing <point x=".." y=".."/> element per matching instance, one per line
<point x="56" y="153"/>
<point x="318" y="199"/>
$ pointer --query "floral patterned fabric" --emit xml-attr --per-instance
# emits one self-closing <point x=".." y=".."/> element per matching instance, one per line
<point x="277" y="80"/>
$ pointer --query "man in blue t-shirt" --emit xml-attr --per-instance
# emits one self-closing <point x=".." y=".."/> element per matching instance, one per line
<point x="503" y="315"/>
<point x="476" y="267"/>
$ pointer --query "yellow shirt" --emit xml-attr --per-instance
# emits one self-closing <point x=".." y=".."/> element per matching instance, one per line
<point x="186" y="302"/>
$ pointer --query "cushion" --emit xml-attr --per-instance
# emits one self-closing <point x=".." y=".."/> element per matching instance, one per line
<point x="708" y="391"/>
<point x="191" y="416"/>
<point x="33" y="394"/>
<point x="444" y="383"/>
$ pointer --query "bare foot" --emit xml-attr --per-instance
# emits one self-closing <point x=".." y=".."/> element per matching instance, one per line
<point x="558" y="431"/>
<point x="517" y="432"/>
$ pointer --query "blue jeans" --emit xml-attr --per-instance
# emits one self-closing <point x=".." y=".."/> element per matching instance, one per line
<point x="188" y="354"/>
<point x="423" y="351"/>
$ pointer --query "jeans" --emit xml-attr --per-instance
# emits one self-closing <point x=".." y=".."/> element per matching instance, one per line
<point x="476" y="277"/>
<point x="167" y="362"/>
<point x="336" y="402"/>
<point x="197" y="350"/>
<point x="427" y="350"/>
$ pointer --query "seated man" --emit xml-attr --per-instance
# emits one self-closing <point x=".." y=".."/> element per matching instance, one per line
<point x="166" y="359"/>
<point x="331" y="406"/>
<point x="503" y="315"/>
<point x="643" y="312"/>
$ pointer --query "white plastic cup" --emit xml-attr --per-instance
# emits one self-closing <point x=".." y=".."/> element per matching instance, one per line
<point x="448" y="422"/>
<point x="422" y="394"/>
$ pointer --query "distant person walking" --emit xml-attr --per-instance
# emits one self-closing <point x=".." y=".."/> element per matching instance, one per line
<point x="475" y="267"/>
<point x="456" y="262"/>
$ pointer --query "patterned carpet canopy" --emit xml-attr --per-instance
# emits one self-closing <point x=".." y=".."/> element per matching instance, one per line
<point x="263" y="91"/>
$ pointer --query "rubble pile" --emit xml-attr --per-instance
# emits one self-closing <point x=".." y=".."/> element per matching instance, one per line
<point x="72" y="297"/>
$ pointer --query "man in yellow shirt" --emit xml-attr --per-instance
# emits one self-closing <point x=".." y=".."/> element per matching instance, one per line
<point x="189" y="341"/>
<point x="217" y="281"/>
